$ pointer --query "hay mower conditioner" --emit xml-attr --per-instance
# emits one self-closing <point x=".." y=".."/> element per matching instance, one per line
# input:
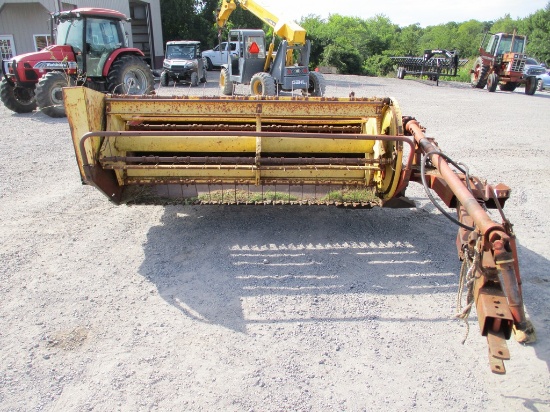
<point x="354" y="152"/>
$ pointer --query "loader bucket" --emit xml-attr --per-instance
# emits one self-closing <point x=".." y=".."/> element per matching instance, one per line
<point x="252" y="150"/>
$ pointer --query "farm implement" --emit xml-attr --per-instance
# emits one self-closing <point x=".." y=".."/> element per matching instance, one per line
<point x="258" y="150"/>
<point x="433" y="64"/>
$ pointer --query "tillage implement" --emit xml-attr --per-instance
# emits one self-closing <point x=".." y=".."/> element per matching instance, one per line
<point x="258" y="150"/>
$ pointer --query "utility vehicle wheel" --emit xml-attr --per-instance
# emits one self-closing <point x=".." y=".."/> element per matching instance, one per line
<point x="508" y="87"/>
<point x="209" y="65"/>
<point x="16" y="98"/>
<point x="531" y="86"/>
<point x="262" y="84"/>
<point x="130" y="75"/>
<point x="203" y="78"/>
<point x="540" y="85"/>
<point x="49" y="93"/>
<point x="492" y="82"/>
<point x="194" y="79"/>
<point x="226" y="85"/>
<point x="164" y="79"/>
<point x="317" y="84"/>
<point x="478" y="78"/>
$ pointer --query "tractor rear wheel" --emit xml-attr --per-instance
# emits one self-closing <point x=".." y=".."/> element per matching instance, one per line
<point x="16" y="98"/>
<point x="130" y="75"/>
<point x="478" y="78"/>
<point x="262" y="84"/>
<point x="226" y="85"/>
<point x="49" y="93"/>
<point x="492" y="82"/>
<point x="530" y="86"/>
<point x="317" y="85"/>
<point x="508" y="87"/>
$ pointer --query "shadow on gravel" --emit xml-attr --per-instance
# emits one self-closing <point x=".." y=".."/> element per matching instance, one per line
<point x="367" y="82"/>
<point x="531" y="404"/>
<point x="220" y="256"/>
<point x="442" y="83"/>
<point x="38" y="116"/>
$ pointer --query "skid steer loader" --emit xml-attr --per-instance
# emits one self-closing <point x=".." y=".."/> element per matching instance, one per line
<point x="257" y="150"/>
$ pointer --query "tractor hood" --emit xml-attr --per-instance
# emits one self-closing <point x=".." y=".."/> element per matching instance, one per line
<point x="55" y="57"/>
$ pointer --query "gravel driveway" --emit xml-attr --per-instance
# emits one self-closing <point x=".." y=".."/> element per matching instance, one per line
<point x="273" y="308"/>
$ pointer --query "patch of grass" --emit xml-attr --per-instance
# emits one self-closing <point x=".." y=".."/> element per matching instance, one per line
<point x="351" y="196"/>
<point x="243" y="196"/>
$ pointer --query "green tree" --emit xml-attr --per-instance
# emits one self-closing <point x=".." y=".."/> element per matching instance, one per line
<point x="537" y="28"/>
<point x="469" y="35"/>
<point x="504" y="25"/>
<point x="344" y="56"/>
<point x="409" y="40"/>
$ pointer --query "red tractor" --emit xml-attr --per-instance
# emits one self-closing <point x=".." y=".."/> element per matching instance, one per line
<point x="501" y="62"/>
<point x="91" y="50"/>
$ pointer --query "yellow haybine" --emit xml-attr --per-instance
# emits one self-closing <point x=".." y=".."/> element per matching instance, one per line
<point x="247" y="149"/>
<point x="355" y="152"/>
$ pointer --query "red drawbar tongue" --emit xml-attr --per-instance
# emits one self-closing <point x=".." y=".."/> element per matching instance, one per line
<point x="254" y="49"/>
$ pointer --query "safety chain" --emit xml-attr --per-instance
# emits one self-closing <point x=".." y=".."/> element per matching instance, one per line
<point x="467" y="278"/>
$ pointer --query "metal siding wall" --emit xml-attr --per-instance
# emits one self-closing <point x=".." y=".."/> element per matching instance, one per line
<point x="35" y="17"/>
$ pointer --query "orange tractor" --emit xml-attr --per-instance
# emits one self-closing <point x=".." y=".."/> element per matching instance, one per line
<point x="501" y="62"/>
<point x="91" y="50"/>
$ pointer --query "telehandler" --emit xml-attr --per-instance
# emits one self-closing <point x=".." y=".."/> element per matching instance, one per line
<point x="254" y="63"/>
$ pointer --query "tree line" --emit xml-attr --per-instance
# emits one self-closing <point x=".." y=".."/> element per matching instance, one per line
<point x="354" y="45"/>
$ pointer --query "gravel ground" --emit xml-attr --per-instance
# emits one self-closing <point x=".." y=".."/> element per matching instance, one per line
<point x="221" y="308"/>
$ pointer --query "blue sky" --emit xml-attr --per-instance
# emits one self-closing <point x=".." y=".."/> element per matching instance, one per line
<point x="403" y="13"/>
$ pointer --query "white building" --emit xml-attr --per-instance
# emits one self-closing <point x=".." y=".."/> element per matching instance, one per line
<point x="25" y="25"/>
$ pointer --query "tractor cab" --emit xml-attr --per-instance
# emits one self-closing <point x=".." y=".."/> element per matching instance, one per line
<point x="251" y="57"/>
<point x="501" y="43"/>
<point x="92" y="35"/>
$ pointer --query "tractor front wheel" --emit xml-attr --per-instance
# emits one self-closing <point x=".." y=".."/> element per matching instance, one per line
<point x="478" y="78"/>
<point x="16" y="98"/>
<point x="49" y="93"/>
<point x="317" y="84"/>
<point x="262" y="84"/>
<point x="130" y="75"/>
<point x="492" y="82"/>
<point x="530" y="86"/>
<point x="226" y="85"/>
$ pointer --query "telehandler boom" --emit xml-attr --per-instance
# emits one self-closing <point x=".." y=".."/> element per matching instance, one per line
<point x="349" y="152"/>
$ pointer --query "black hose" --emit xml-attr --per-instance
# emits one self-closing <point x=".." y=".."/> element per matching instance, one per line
<point x="427" y="189"/>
